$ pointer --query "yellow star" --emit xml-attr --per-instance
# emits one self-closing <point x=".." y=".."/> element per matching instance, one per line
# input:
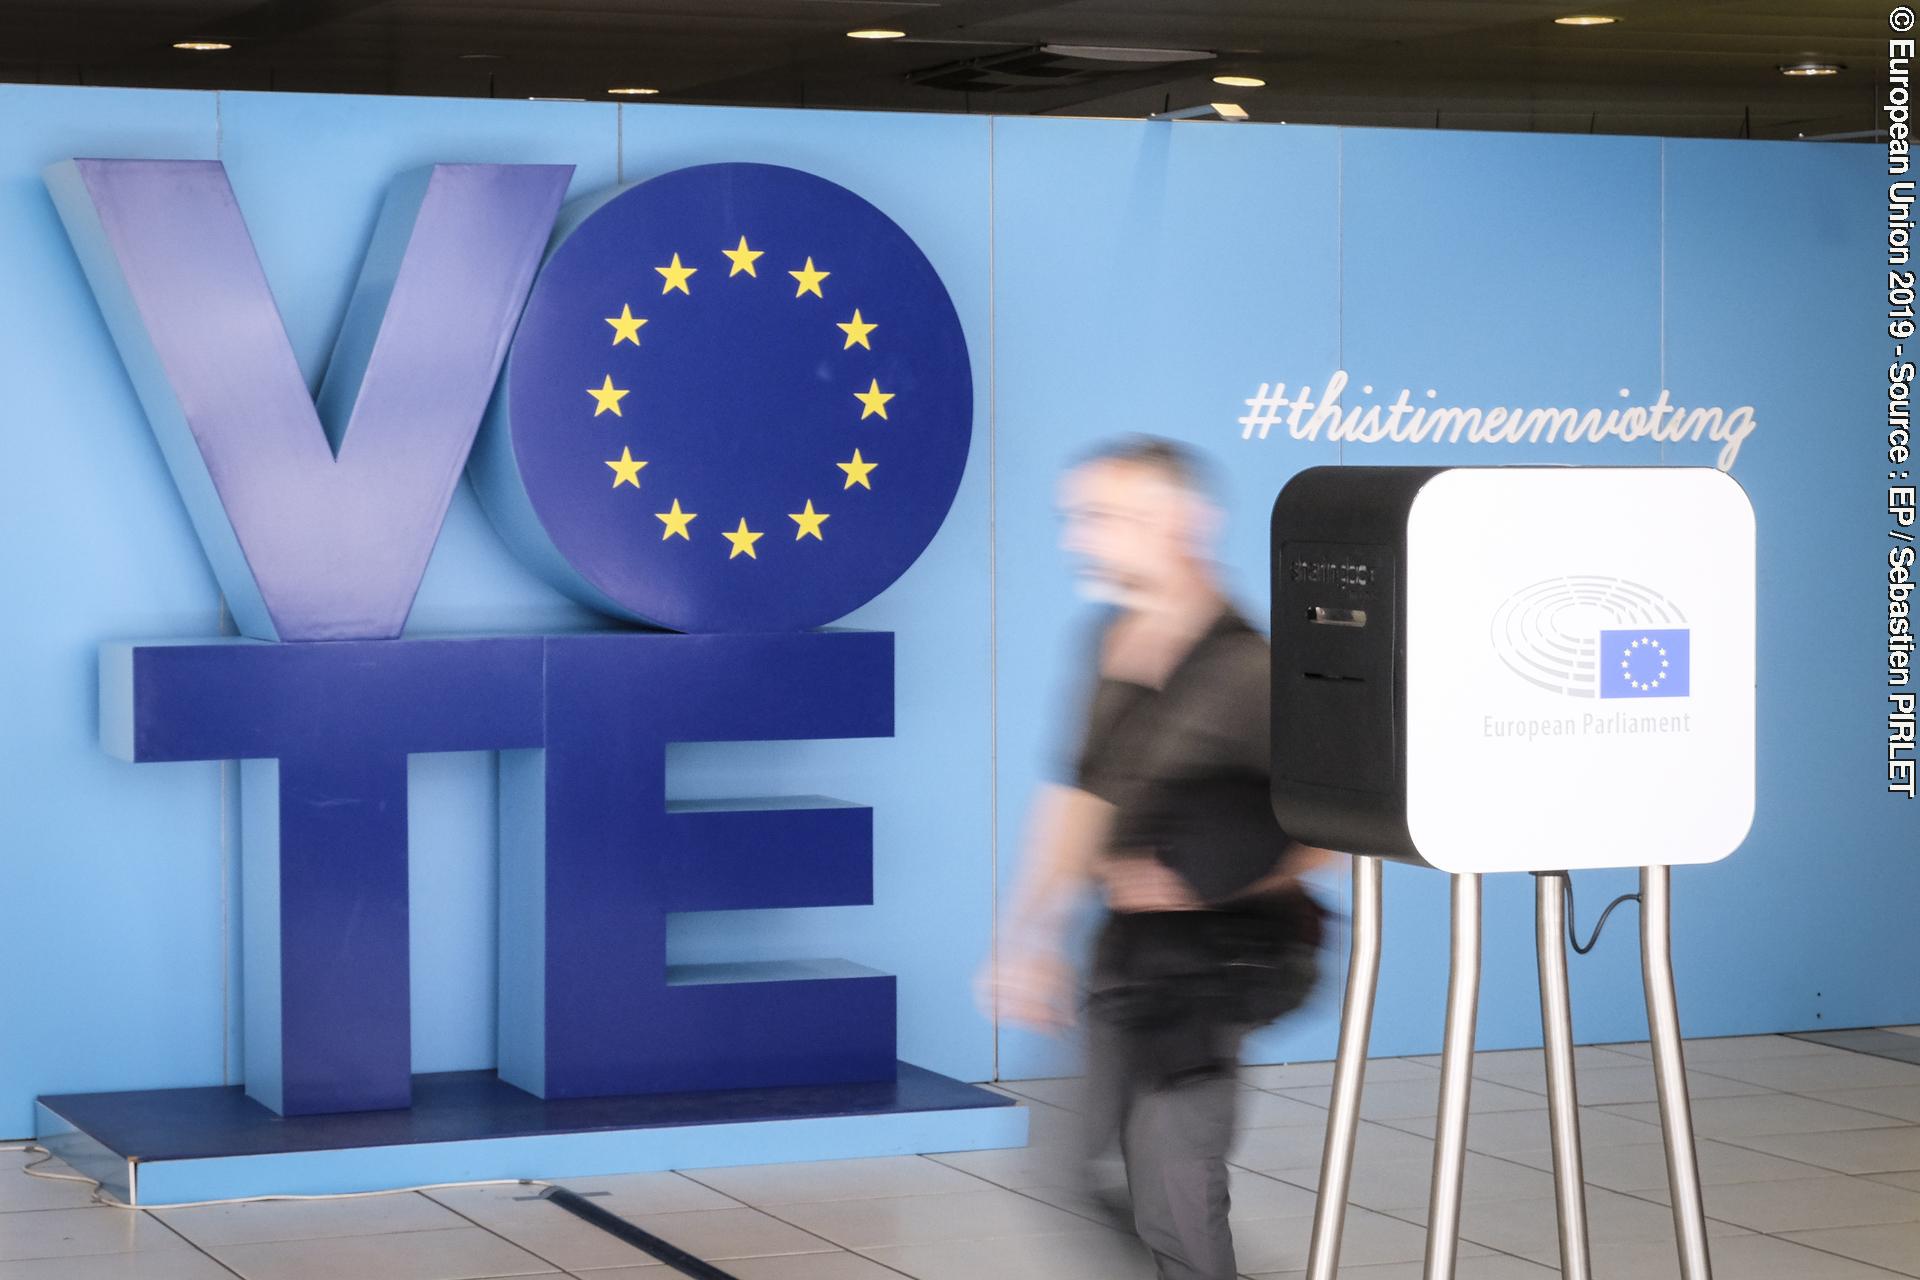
<point x="626" y="470"/>
<point x="606" y="397"/>
<point x="676" y="521"/>
<point x="857" y="331"/>
<point x="874" y="399"/>
<point x="809" y="522"/>
<point x="742" y="539"/>
<point x="809" y="280"/>
<point x="743" y="259"/>
<point x="626" y="326"/>
<point x="676" y="277"/>
<point x="856" y="472"/>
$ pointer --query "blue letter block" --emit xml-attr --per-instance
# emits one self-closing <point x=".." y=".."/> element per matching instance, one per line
<point x="594" y="859"/>
<point x="325" y="731"/>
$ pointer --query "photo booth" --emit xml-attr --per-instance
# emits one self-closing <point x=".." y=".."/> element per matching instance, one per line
<point x="1535" y="669"/>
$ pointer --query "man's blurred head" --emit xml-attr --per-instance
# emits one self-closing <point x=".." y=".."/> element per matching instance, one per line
<point x="1138" y="520"/>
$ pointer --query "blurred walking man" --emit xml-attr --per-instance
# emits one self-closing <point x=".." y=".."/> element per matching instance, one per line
<point x="1208" y="933"/>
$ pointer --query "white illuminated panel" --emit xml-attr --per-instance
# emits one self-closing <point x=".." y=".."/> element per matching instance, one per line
<point x="1579" y="668"/>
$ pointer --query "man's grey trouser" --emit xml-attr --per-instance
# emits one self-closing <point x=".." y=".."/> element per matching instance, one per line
<point x="1173" y="1139"/>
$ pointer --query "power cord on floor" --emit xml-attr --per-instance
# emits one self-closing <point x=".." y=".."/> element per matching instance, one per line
<point x="100" y="1195"/>
<point x="571" y="1201"/>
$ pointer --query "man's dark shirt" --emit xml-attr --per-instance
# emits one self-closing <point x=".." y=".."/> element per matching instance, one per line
<point x="1187" y="769"/>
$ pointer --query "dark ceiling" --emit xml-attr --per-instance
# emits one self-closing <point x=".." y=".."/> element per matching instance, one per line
<point x="1676" y="67"/>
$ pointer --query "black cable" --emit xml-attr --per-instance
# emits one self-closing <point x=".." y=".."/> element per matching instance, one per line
<point x="1573" y="937"/>
<point x="674" y="1256"/>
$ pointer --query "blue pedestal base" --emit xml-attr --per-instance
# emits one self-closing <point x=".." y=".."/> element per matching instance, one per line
<point x="174" y="1146"/>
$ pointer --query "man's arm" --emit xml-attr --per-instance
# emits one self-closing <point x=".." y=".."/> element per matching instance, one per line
<point x="1032" y="982"/>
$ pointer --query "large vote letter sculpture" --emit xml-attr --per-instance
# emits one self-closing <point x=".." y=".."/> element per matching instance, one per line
<point x="729" y="404"/>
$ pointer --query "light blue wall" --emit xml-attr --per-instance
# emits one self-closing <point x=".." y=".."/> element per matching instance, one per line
<point x="1111" y="276"/>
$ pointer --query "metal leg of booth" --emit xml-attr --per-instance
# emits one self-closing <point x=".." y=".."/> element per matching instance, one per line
<point x="1349" y="1073"/>
<point x="1670" y="1071"/>
<point x="1456" y="1083"/>
<point x="1563" y="1096"/>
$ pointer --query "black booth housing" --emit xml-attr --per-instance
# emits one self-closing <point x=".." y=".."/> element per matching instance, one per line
<point x="1339" y="555"/>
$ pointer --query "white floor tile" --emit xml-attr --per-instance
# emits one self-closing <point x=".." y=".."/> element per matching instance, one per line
<point x="801" y="1266"/>
<point x="1490" y="1266"/>
<point x="1300" y="1147"/>
<point x="1262" y="1109"/>
<point x="1305" y="1075"/>
<point x="1644" y="1166"/>
<point x="1502" y="1132"/>
<point x="20" y="1190"/>
<point x="1609" y="1085"/>
<point x="66" y="1233"/>
<point x="1530" y="1227"/>
<point x="778" y="1184"/>
<point x="1895" y="1246"/>
<point x="1901" y="1101"/>
<point x="1736" y="1118"/>
<point x="168" y="1264"/>
<point x="1911" y="1181"/>
<point x="865" y="1225"/>
<point x="258" y="1222"/>
<point x="1280" y="1244"/>
<point x="1420" y="1098"/>
<point x="1850" y="1151"/>
<point x="1093" y="1254"/>
<point x="1736" y="1049"/>
<point x="1827" y="1072"/>
<point x="467" y="1253"/>
<point x="1806" y="1204"/>
<point x="1390" y="1185"/>
<point x="1749" y="1257"/>
<point x="719" y="1234"/>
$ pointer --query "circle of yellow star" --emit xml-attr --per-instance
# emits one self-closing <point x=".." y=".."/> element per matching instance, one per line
<point x="809" y="280"/>
<point x="743" y="259"/>
<point x="742" y="539"/>
<point x="676" y="277"/>
<point x="626" y="470"/>
<point x="857" y="472"/>
<point x="676" y="521"/>
<point x="809" y="522"/>
<point x="606" y="397"/>
<point x="626" y="326"/>
<point x="856" y="331"/>
<point x="874" y="399"/>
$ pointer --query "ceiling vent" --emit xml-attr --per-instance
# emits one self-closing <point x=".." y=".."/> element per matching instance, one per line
<point x="1047" y="67"/>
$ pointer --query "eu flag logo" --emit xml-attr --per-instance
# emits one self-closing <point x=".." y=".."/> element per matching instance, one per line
<point x="740" y="399"/>
<point x="1649" y="663"/>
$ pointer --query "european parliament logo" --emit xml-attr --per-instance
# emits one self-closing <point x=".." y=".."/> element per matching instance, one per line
<point x="1594" y="636"/>
<point x="1650" y="663"/>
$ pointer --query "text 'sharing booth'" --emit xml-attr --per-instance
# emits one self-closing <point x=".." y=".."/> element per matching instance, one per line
<point x="1514" y="668"/>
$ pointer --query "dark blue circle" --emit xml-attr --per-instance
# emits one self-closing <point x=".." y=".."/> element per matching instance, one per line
<point x="741" y="400"/>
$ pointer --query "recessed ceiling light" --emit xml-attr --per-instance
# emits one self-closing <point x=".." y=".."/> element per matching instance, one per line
<point x="1241" y="82"/>
<point x="877" y="33"/>
<point x="635" y="93"/>
<point x="1812" y="69"/>
<point x="1585" y="20"/>
<point x="201" y="46"/>
<point x="480" y="57"/>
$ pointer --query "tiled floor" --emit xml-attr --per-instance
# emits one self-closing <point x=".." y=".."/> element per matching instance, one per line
<point x="1810" y="1154"/>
